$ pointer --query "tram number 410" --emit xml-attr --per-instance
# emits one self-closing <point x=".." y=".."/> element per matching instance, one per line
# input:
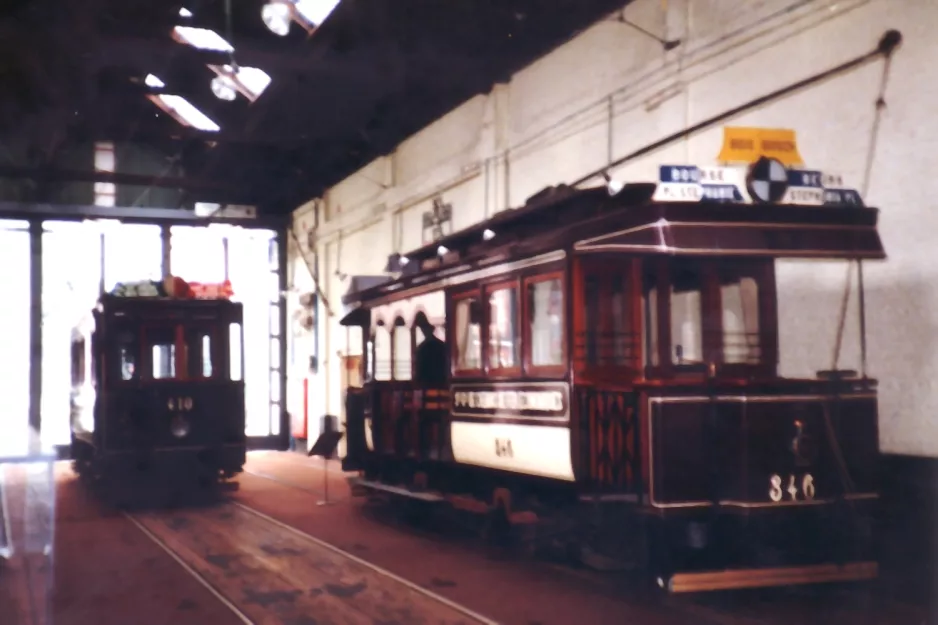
<point x="503" y="448"/>
<point x="796" y="489"/>
<point x="182" y="404"/>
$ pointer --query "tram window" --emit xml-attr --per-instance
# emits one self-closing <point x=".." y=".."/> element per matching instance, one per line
<point x="686" y="315"/>
<point x="650" y="318"/>
<point x="382" y="362"/>
<point x="78" y="362"/>
<point x="370" y="359"/>
<point x="592" y="300"/>
<point x="545" y="318"/>
<point x="127" y="355"/>
<point x="468" y="335"/>
<point x="163" y="352"/>
<point x="623" y="342"/>
<point x="199" y="353"/>
<point x="234" y="352"/>
<point x="739" y="295"/>
<point x="402" y="351"/>
<point x="504" y="343"/>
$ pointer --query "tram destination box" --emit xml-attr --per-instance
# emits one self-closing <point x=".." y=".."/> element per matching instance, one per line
<point x="27" y="529"/>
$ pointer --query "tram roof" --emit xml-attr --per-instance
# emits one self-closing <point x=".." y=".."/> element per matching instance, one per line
<point x="589" y="221"/>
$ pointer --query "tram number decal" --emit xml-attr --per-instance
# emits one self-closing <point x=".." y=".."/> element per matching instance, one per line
<point x="183" y="404"/>
<point x="503" y="448"/>
<point x="795" y="489"/>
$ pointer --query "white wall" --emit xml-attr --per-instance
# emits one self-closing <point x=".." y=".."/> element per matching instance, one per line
<point x="612" y="90"/>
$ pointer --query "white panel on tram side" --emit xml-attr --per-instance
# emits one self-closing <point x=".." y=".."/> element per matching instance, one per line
<point x="529" y="449"/>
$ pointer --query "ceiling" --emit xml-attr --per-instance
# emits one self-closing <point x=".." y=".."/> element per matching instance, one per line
<point x="375" y="72"/>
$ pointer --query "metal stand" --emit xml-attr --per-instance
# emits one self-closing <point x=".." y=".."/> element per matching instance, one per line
<point x="325" y="447"/>
<point x="325" y="471"/>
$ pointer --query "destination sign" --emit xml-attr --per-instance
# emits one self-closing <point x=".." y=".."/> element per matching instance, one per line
<point x="805" y="187"/>
<point x="511" y="400"/>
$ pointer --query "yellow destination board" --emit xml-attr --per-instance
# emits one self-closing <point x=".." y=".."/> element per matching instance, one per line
<point x="746" y="145"/>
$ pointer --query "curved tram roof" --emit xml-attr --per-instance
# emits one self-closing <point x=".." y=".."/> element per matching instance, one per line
<point x="590" y="221"/>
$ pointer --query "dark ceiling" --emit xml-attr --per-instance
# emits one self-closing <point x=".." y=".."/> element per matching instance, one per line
<point x="375" y="72"/>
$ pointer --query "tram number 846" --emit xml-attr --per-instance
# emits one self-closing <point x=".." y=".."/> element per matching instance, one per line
<point x="503" y="448"/>
<point x="804" y="490"/>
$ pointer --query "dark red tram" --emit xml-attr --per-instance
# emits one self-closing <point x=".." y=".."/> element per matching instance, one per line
<point x="607" y="367"/>
<point x="157" y="385"/>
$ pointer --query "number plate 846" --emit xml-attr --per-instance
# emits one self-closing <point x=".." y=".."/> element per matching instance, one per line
<point x="791" y="487"/>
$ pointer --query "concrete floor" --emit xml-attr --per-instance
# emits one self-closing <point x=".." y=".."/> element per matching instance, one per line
<point x="267" y="555"/>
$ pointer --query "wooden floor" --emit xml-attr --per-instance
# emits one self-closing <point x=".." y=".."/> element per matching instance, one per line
<point x="269" y="555"/>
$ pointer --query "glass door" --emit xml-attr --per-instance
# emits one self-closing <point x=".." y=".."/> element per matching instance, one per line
<point x="15" y="325"/>
<point x="71" y="283"/>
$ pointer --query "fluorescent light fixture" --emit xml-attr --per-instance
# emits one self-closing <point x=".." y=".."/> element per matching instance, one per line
<point x="153" y="81"/>
<point x="277" y="16"/>
<point x="249" y="81"/>
<point x="315" y="11"/>
<point x="184" y="12"/>
<point x="201" y="38"/>
<point x="184" y="112"/>
<point x="224" y="88"/>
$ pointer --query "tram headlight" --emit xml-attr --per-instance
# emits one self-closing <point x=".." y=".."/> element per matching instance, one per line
<point x="180" y="426"/>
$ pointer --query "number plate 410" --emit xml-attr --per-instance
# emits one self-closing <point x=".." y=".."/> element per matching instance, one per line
<point x="797" y="489"/>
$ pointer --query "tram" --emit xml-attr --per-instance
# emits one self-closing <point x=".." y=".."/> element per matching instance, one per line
<point x="157" y="388"/>
<point x="603" y="366"/>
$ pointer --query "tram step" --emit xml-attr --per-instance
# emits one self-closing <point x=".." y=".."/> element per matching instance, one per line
<point x="397" y="490"/>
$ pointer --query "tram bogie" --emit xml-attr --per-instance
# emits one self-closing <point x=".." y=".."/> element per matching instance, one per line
<point x="609" y="364"/>
<point x="157" y="387"/>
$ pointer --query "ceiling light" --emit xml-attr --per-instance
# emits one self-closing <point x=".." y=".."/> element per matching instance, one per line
<point x="184" y="12"/>
<point x="224" y="88"/>
<point x="488" y="235"/>
<point x="153" y="81"/>
<point x="315" y="11"/>
<point x="612" y="185"/>
<point x="277" y="16"/>
<point x="442" y="250"/>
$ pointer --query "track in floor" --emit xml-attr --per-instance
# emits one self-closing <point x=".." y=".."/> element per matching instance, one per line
<point x="855" y="604"/>
<point x="268" y="572"/>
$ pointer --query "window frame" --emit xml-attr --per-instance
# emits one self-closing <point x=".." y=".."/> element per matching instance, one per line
<point x="527" y="343"/>
<point x="400" y="322"/>
<point x="379" y="325"/>
<point x="487" y="289"/>
<point x="632" y="273"/>
<point x="453" y="338"/>
<point x="712" y="320"/>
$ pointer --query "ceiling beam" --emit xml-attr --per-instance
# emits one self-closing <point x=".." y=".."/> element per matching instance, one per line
<point x="195" y="185"/>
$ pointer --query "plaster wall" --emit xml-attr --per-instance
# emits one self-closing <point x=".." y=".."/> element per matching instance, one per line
<point x="612" y="90"/>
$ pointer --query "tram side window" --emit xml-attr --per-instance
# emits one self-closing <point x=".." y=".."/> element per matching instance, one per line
<point x="163" y="352"/>
<point x="504" y="337"/>
<point x="468" y="334"/>
<point x="199" y="348"/>
<point x="402" y="351"/>
<point x="545" y="319"/>
<point x="650" y="317"/>
<point x="382" y="359"/>
<point x="686" y="314"/>
<point x="128" y="355"/>
<point x="739" y="295"/>
<point x="78" y="362"/>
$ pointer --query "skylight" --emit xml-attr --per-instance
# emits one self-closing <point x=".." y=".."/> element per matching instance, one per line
<point x="249" y="81"/>
<point x="184" y="12"/>
<point x="184" y="112"/>
<point x="201" y="38"/>
<point x="153" y="81"/>
<point x="316" y="11"/>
